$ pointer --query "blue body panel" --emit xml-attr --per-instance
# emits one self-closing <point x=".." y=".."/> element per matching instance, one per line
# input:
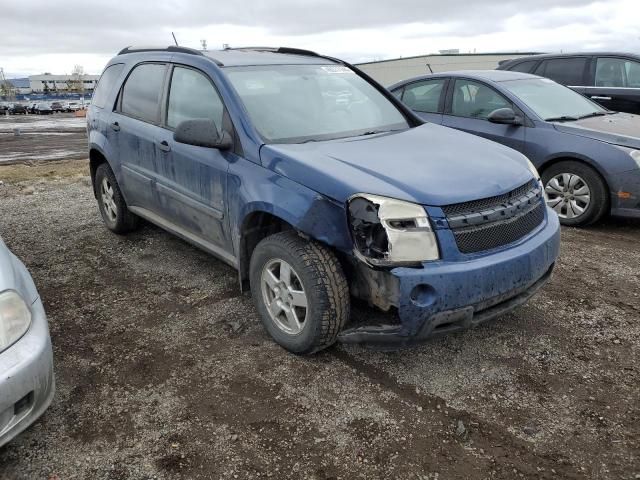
<point x="209" y="196"/>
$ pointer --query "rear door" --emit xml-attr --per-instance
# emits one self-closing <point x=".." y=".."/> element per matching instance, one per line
<point x="615" y="84"/>
<point x="192" y="180"/>
<point x="135" y="124"/>
<point x="426" y="98"/>
<point x="570" y="71"/>
<point x="468" y="106"/>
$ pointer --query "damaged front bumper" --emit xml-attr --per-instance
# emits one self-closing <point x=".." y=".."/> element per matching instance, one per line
<point x="450" y="295"/>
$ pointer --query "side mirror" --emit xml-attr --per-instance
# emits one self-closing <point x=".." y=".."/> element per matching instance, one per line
<point x="202" y="132"/>
<point x="504" y="116"/>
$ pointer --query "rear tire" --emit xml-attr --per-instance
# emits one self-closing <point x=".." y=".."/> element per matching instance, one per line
<point x="313" y="278"/>
<point x="576" y="192"/>
<point x="113" y="208"/>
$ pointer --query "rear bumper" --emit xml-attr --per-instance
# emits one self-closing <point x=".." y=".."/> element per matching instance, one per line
<point x="27" y="383"/>
<point x="446" y="296"/>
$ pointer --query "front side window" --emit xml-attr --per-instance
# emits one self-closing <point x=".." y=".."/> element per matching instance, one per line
<point x="424" y="96"/>
<point x="476" y="100"/>
<point x="106" y="83"/>
<point x="568" y="71"/>
<point x="550" y="100"/>
<point x="191" y="96"/>
<point x="299" y="103"/>
<point x="142" y="92"/>
<point x="617" y="72"/>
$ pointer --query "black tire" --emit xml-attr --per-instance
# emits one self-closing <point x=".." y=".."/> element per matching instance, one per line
<point x="323" y="281"/>
<point x="599" y="203"/>
<point x="123" y="221"/>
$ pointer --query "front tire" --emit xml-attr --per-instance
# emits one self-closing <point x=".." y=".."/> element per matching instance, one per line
<point x="300" y="291"/>
<point x="113" y="208"/>
<point x="576" y="192"/>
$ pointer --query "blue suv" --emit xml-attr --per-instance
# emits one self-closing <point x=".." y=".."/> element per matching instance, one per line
<point x="317" y="185"/>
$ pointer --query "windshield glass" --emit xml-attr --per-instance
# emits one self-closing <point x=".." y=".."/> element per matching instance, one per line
<point x="550" y="100"/>
<point x="300" y="103"/>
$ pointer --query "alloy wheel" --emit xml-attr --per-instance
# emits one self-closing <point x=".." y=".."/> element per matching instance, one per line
<point x="284" y="296"/>
<point x="106" y="194"/>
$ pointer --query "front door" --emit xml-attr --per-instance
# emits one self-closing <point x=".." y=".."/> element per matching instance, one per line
<point x="468" y="110"/>
<point x="192" y="180"/>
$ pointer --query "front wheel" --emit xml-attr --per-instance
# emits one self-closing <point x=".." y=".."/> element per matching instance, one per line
<point x="300" y="291"/>
<point x="576" y="192"/>
<point x="113" y="208"/>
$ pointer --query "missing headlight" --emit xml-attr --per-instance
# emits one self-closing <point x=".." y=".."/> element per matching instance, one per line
<point x="388" y="231"/>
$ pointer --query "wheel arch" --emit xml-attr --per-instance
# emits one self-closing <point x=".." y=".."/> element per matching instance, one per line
<point x="548" y="163"/>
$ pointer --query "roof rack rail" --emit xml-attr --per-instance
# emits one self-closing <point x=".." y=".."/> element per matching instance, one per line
<point x="170" y="48"/>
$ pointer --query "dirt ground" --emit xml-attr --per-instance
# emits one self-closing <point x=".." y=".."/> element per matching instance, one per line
<point x="42" y="137"/>
<point x="164" y="371"/>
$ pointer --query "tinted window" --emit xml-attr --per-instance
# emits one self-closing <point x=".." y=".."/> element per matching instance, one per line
<point x="617" y="72"/>
<point x="142" y="91"/>
<point x="568" y="71"/>
<point x="105" y="84"/>
<point x="476" y="100"/>
<point x="524" y="67"/>
<point x="192" y="96"/>
<point x="424" y="96"/>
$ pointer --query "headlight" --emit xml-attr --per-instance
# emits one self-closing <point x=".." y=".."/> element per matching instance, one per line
<point x="15" y="318"/>
<point x="391" y="232"/>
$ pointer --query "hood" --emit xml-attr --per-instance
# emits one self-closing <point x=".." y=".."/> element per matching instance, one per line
<point x="618" y="129"/>
<point x="430" y="165"/>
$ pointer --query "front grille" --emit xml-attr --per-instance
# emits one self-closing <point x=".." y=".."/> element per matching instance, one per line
<point x="496" y="221"/>
<point x="488" y="203"/>
<point x="497" y="234"/>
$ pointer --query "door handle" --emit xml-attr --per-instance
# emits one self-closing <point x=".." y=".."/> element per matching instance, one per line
<point x="598" y="97"/>
<point x="164" y="146"/>
<point x="115" y="127"/>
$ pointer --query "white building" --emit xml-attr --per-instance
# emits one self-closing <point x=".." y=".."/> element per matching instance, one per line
<point x="388" y="72"/>
<point x="61" y="83"/>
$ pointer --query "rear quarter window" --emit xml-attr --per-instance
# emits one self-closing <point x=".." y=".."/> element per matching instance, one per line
<point x="567" y="71"/>
<point x="106" y="83"/>
<point x="523" y="67"/>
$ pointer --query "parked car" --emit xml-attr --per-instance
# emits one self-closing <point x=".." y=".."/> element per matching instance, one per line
<point x="73" y="107"/>
<point x="32" y="108"/>
<point x="609" y="78"/>
<point x="43" y="109"/>
<point x="4" y="108"/>
<point x="27" y="383"/>
<point x="18" y="109"/>
<point x="589" y="157"/>
<point x="57" y="107"/>
<point x="312" y="196"/>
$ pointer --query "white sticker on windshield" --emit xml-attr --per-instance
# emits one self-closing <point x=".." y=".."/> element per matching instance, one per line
<point x="253" y="84"/>
<point x="336" y="69"/>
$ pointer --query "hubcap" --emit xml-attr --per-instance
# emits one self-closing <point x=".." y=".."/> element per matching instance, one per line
<point x="284" y="296"/>
<point x="568" y="194"/>
<point x="106" y="194"/>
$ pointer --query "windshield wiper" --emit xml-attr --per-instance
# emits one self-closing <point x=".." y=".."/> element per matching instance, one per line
<point x="593" y="114"/>
<point x="564" y="118"/>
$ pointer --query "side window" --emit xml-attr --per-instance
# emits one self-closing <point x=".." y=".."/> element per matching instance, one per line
<point x="192" y="95"/>
<point x="105" y="84"/>
<point x="476" y="100"/>
<point x="617" y="72"/>
<point x="523" y="67"/>
<point x="567" y="71"/>
<point x="424" y="96"/>
<point x="142" y="92"/>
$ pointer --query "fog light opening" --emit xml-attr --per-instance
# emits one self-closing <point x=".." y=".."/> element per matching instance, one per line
<point x="423" y="295"/>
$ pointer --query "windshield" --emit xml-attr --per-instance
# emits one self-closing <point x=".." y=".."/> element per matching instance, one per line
<point x="301" y="103"/>
<point x="552" y="101"/>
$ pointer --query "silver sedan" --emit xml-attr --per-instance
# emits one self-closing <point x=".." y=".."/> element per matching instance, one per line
<point x="27" y="383"/>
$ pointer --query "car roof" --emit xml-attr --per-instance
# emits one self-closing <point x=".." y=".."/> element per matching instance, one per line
<point x="574" y="54"/>
<point x="486" y="75"/>
<point x="247" y="57"/>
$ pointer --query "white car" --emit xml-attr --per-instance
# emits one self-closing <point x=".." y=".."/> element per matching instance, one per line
<point x="27" y="384"/>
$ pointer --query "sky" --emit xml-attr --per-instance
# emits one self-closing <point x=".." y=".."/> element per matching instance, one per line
<point x="38" y="36"/>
